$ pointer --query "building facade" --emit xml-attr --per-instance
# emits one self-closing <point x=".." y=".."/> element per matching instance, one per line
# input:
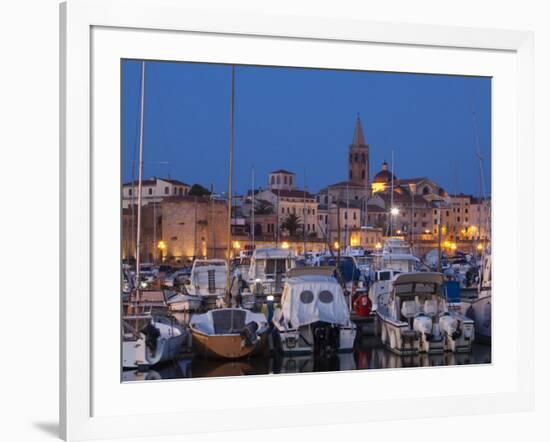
<point x="152" y="190"/>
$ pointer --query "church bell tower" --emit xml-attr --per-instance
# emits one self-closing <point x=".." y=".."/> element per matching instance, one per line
<point x="358" y="163"/>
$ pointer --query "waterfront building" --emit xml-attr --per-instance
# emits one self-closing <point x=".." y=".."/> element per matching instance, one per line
<point x="286" y="199"/>
<point x="153" y="190"/>
<point x="194" y="227"/>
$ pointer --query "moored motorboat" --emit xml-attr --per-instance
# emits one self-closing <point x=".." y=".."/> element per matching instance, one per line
<point x="229" y="333"/>
<point x="479" y="309"/>
<point x="416" y="317"/>
<point x="148" y="340"/>
<point x="181" y="302"/>
<point x="208" y="280"/>
<point x="314" y="316"/>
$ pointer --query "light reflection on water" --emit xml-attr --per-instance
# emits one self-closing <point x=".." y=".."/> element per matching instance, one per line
<point x="368" y="354"/>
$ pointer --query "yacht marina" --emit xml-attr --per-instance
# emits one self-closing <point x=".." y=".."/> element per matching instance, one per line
<point x="370" y="273"/>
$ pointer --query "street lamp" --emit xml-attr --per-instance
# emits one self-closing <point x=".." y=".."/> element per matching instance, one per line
<point x="394" y="211"/>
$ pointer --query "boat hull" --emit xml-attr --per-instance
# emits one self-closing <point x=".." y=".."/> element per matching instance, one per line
<point x="300" y="341"/>
<point x="227" y="346"/>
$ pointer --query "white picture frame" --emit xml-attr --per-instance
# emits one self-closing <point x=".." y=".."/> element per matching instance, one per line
<point x="90" y="403"/>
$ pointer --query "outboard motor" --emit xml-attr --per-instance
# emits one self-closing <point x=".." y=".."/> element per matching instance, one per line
<point x="151" y="336"/>
<point x="423" y="325"/>
<point x="449" y="325"/>
<point x="326" y="339"/>
<point x="250" y="333"/>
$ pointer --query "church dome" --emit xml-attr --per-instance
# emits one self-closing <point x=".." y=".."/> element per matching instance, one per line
<point x="384" y="176"/>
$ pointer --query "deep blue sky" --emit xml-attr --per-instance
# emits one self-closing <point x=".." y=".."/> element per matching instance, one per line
<point x="303" y="119"/>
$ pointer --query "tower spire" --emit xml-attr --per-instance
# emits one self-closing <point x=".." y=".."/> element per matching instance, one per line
<point x="358" y="137"/>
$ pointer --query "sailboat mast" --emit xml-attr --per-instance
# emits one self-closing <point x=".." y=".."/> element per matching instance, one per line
<point x="253" y="210"/>
<point x="305" y="216"/>
<point x="230" y="184"/>
<point x="391" y="197"/>
<point x="140" y="178"/>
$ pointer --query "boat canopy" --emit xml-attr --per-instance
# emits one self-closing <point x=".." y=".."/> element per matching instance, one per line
<point x="417" y="284"/>
<point x="312" y="298"/>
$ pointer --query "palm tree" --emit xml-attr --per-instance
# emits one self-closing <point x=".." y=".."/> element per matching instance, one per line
<point x="292" y="223"/>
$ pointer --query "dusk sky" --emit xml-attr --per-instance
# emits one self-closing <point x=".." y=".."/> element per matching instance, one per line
<point x="303" y="120"/>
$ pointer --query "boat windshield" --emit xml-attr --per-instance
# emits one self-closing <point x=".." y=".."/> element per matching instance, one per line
<point x="274" y="266"/>
<point x="416" y="288"/>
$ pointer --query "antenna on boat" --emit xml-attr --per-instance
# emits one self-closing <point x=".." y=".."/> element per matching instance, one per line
<point x="230" y="184"/>
<point x="140" y="177"/>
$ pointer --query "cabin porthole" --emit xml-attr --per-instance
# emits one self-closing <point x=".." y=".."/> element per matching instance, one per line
<point x="326" y="297"/>
<point x="306" y="297"/>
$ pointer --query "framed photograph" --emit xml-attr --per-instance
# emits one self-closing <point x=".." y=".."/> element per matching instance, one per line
<point x="260" y="213"/>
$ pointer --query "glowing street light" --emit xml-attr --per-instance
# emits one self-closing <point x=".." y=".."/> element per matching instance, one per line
<point x="378" y="246"/>
<point x="394" y="211"/>
<point x="284" y="245"/>
<point x="336" y="245"/>
<point x="479" y="247"/>
<point x="161" y="245"/>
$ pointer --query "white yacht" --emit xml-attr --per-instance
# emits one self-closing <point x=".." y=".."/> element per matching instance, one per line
<point x="479" y="309"/>
<point x="268" y="267"/>
<point x="396" y="258"/>
<point x="314" y="316"/>
<point x="416" y="318"/>
<point x="208" y="280"/>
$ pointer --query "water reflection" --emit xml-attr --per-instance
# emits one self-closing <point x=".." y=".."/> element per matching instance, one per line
<point x="368" y="354"/>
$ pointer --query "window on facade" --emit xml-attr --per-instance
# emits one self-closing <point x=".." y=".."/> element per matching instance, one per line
<point x="465" y="210"/>
<point x="363" y="157"/>
<point x="294" y="210"/>
<point x="356" y="158"/>
<point x="313" y="211"/>
<point x="181" y="191"/>
<point x="175" y="190"/>
<point x="166" y="190"/>
<point x="354" y="215"/>
<point x="425" y="190"/>
<point x="278" y="180"/>
<point x="362" y="176"/>
<point x="458" y="218"/>
<point x="130" y="191"/>
<point x="414" y="224"/>
<point x="290" y="180"/>
<point x="150" y="191"/>
<point x="272" y="179"/>
<point x="350" y="174"/>
<point x="285" y="179"/>
<point x="326" y="219"/>
<point x="346" y="214"/>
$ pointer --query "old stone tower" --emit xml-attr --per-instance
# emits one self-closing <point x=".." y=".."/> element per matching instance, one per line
<point x="358" y="163"/>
